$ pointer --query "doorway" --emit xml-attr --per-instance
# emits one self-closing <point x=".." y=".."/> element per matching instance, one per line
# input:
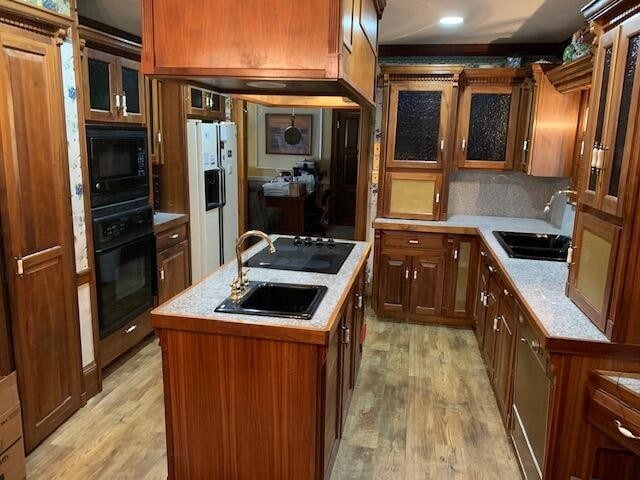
<point x="344" y="173"/>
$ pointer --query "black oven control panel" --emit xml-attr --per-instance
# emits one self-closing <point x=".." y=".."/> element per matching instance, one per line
<point x="127" y="224"/>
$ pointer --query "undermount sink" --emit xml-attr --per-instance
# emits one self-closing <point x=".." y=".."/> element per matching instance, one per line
<point x="277" y="300"/>
<point x="535" y="246"/>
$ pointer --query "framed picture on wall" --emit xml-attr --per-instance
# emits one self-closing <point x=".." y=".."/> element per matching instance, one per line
<point x="276" y="124"/>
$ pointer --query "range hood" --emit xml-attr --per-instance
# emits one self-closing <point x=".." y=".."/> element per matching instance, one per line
<point x="266" y="47"/>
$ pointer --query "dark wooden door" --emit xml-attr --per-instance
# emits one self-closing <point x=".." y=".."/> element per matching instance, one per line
<point x="173" y="271"/>
<point x="344" y="166"/>
<point x="427" y="283"/>
<point x="491" y="323"/>
<point x="359" y="330"/>
<point x="36" y="228"/>
<point x="393" y="294"/>
<point x="504" y="355"/>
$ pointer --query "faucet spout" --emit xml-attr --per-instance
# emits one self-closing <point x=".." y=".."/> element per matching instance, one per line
<point x="240" y="284"/>
<point x="547" y="208"/>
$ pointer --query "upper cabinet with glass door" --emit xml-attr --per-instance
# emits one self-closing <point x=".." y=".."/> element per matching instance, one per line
<point x="114" y="88"/>
<point x="418" y="129"/>
<point x="614" y="107"/>
<point x="487" y="122"/>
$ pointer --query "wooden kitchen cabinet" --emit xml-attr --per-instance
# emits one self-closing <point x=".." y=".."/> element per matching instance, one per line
<point x="348" y="345"/>
<point x="506" y="337"/>
<point x="174" y="272"/>
<point x="395" y="269"/>
<point x="325" y="48"/>
<point x="547" y="127"/>
<point x="203" y="103"/>
<point x="156" y="122"/>
<point x="413" y="195"/>
<point x="37" y="232"/>
<point x="594" y="251"/>
<point x="612" y="122"/>
<point x="419" y="124"/>
<point x="487" y="122"/>
<point x="480" y="314"/>
<point x="115" y="88"/>
<point x="460" y="293"/>
<point x="491" y="326"/>
<point x="427" y="283"/>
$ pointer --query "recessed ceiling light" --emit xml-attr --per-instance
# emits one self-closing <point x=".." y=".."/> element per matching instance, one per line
<point x="451" y="21"/>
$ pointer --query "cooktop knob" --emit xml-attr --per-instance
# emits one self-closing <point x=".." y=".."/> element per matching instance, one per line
<point x="308" y="241"/>
<point x="319" y="242"/>
<point x="331" y="243"/>
<point x="297" y="241"/>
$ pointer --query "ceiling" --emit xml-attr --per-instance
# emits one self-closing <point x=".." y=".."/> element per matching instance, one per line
<point x="416" y="21"/>
<point x="485" y="21"/>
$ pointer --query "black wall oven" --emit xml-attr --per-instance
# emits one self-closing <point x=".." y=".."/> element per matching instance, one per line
<point x="125" y="264"/>
<point x="118" y="164"/>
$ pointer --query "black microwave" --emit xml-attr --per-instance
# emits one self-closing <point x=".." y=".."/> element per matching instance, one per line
<point x="118" y="164"/>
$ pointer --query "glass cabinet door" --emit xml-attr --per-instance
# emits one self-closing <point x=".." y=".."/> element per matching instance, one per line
<point x="594" y="253"/>
<point x="488" y="117"/>
<point x="461" y="282"/>
<point x="101" y="85"/>
<point x="412" y="195"/>
<point x="132" y="91"/>
<point x="418" y="124"/>
<point x="603" y="79"/>
<point x="622" y="119"/>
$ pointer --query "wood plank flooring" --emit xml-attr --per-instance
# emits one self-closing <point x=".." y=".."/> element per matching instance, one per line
<point x="423" y="409"/>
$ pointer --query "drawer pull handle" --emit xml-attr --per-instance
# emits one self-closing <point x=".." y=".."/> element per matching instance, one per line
<point x="414" y="242"/>
<point x="131" y="329"/>
<point x="491" y="269"/>
<point x="174" y="236"/>
<point x="625" y="432"/>
<point x="406" y="274"/>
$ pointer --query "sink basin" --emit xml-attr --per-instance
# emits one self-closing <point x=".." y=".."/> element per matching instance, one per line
<point x="277" y="300"/>
<point x="535" y="246"/>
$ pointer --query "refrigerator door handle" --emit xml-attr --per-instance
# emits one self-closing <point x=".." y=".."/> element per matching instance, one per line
<point x="223" y="186"/>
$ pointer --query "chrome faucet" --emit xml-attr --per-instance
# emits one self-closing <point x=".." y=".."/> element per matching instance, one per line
<point x="547" y="208"/>
<point x="240" y="285"/>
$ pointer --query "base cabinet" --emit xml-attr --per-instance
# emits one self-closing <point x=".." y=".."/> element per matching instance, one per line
<point x="173" y="271"/>
<point x="425" y="278"/>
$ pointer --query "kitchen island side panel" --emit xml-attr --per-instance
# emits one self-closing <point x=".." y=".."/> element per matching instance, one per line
<point x="239" y="407"/>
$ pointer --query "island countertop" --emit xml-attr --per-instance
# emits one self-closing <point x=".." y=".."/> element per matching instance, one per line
<point x="194" y="309"/>
<point x="541" y="284"/>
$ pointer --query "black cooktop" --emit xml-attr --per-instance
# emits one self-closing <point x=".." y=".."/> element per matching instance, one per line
<point x="303" y="255"/>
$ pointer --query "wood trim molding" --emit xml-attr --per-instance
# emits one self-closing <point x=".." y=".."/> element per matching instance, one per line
<point x="40" y="15"/>
<point x="239" y="116"/>
<point x="467" y="49"/>
<point x="362" y="187"/>
<point x="573" y="76"/>
<point x="108" y="42"/>
<point x="609" y="12"/>
<point x="380" y="6"/>
<point x="109" y="30"/>
<point x="91" y="382"/>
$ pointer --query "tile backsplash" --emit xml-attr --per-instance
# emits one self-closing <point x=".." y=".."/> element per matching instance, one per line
<point x="501" y="194"/>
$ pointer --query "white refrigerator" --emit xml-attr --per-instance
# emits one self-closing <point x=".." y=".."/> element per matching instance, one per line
<point x="213" y="194"/>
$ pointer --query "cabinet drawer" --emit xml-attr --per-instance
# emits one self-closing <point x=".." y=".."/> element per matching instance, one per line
<point x="613" y="416"/>
<point x="171" y="237"/>
<point x="434" y="241"/>
<point x="125" y="338"/>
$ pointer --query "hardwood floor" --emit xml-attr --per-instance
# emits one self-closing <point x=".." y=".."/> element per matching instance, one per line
<point x="422" y="409"/>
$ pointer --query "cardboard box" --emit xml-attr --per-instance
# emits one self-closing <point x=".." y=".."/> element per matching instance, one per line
<point x="12" y="463"/>
<point x="10" y="418"/>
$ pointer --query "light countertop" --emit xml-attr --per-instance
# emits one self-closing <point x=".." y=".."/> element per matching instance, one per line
<point x="201" y="300"/>
<point x="160" y="218"/>
<point x="540" y="283"/>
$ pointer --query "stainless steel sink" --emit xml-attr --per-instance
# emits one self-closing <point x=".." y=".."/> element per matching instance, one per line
<point x="277" y="300"/>
<point x="535" y="246"/>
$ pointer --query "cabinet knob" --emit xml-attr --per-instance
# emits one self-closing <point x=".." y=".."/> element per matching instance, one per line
<point x="174" y="236"/>
<point x="406" y="274"/>
<point x="414" y="242"/>
<point x="130" y="330"/>
<point x="162" y="274"/>
<point x="415" y="274"/>
<point x="455" y="254"/>
<point x="625" y="431"/>
<point x="464" y="144"/>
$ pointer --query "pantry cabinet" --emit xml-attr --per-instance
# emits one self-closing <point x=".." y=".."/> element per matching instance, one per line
<point x="487" y="122"/>
<point x="613" y="118"/>
<point x="115" y="88"/>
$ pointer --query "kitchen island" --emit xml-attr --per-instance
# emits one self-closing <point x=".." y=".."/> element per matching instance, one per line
<point x="250" y="396"/>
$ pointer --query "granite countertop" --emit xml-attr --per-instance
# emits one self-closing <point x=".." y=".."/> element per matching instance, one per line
<point x="540" y="283"/>
<point x="631" y="383"/>
<point x="160" y="218"/>
<point x="201" y="300"/>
